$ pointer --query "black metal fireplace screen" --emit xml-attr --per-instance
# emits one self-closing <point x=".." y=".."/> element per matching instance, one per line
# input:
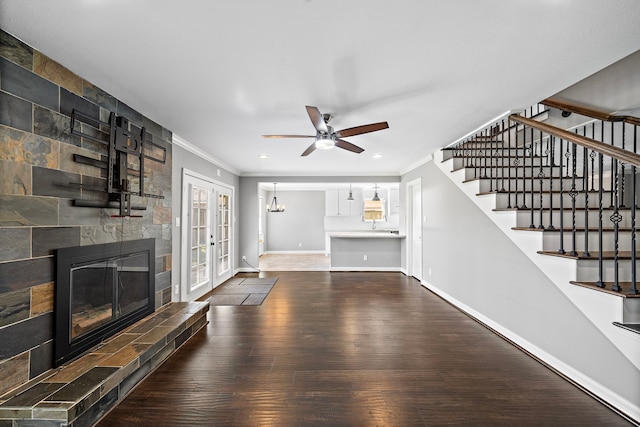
<point x="101" y="289"/>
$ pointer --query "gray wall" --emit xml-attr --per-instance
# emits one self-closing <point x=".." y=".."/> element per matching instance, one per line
<point x="183" y="158"/>
<point x="477" y="264"/>
<point x="301" y="226"/>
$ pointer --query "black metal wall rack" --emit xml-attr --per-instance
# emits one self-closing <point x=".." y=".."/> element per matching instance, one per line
<point x="121" y="143"/>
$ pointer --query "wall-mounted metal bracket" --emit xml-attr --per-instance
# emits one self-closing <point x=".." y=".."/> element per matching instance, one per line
<point x="121" y="143"/>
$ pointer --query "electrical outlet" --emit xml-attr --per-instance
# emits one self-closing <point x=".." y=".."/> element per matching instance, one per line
<point x="365" y="257"/>
<point x="244" y="257"/>
<point x="176" y="290"/>
<point x="299" y="245"/>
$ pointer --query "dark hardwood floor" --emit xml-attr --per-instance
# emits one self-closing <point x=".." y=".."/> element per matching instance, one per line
<point x="352" y="349"/>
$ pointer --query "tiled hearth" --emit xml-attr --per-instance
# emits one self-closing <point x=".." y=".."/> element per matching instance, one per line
<point x="80" y="392"/>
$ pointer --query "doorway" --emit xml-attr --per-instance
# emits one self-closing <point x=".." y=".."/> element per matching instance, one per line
<point x="207" y="235"/>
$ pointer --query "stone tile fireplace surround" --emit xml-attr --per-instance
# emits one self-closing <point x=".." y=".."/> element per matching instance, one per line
<point x="39" y="180"/>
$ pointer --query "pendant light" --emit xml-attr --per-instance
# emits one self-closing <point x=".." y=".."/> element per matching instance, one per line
<point x="350" y="198"/>
<point x="376" y="198"/>
<point x="275" y="207"/>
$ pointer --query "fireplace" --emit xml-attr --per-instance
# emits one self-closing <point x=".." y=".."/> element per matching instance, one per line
<point x="100" y="289"/>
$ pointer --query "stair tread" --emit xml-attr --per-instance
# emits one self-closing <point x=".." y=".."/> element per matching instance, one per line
<point x="594" y="255"/>
<point x="626" y="286"/>
<point x="633" y="327"/>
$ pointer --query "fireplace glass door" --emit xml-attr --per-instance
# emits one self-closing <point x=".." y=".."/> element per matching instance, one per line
<point x="107" y="290"/>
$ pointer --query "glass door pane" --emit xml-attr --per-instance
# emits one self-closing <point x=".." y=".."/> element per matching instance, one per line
<point x="200" y="223"/>
<point x="223" y="234"/>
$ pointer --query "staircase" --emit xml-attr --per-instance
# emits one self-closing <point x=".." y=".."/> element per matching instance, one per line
<point x="559" y="181"/>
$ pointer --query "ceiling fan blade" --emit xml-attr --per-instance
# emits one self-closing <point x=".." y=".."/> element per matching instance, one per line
<point x="288" y="136"/>
<point x="309" y="150"/>
<point x="359" y="130"/>
<point x="348" y="146"/>
<point x="317" y="119"/>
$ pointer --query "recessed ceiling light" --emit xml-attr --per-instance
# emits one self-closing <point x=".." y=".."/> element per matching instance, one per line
<point x="263" y="156"/>
<point x="376" y="156"/>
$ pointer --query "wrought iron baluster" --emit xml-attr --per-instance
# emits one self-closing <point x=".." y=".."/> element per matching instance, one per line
<point x="489" y="158"/>
<point x="573" y="193"/>
<point x="508" y="164"/>
<point x="592" y="155"/>
<point x="552" y="164"/>
<point x="541" y="181"/>
<point x="634" y="289"/>
<point x="501" y="127"/>
<point x="615" y="218"/>
<point x="516" y="162"/>
<point x="524" y="168"/>
<point x="561" y="250"/>
<point x="532" y="153"/>
<point x="567" y="155"/>
<point x="600" y="282"/>
<point x="612" y="164"/>
<point x="622" y="168"/>
<point x="585" y="189"/>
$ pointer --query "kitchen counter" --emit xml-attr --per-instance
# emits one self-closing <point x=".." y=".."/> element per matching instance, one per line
<point x="365" y="250"/>
<point x="366" y="234"/>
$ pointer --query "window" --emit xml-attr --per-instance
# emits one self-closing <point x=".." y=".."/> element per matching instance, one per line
<point x="374" y="210"/>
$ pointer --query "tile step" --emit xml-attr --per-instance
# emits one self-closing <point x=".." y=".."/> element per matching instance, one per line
<point x="83" y="390"/>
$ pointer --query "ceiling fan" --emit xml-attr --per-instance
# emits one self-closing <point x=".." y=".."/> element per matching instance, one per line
<point x="327" y="138"/>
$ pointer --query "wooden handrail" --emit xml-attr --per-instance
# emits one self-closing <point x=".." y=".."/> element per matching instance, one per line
<point x="585" y="111"/>
<point x="600" y="147"/>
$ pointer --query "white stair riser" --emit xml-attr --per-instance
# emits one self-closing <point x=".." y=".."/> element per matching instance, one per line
<point x="551" y="241"/>
<point x="486" y="162"/>
<point x="502" y="200"/>
<point x="523" y="218"/>
<point x="497" y="184"/>
<point x="588" y="270"/>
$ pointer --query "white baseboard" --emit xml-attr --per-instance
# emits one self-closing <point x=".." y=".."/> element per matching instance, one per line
<point x="605" y="394"/>
<point x="246" y="270"/>
<point x="392" y="269"/>
<point x="294" y="252"/>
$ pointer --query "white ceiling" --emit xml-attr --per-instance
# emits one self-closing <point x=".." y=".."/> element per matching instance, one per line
<point x="221" y="73"/>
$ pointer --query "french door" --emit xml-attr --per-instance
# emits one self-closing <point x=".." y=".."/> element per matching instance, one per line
<point x="207" y="235"/>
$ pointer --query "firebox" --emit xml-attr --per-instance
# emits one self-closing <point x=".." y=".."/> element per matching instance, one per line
<point x="100" y="290"/>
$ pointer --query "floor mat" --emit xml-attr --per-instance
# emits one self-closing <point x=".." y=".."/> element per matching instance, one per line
<point x="241" y="291"/>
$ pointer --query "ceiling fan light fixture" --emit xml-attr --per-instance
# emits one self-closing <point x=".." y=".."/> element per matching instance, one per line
<point x="325" y="143"/>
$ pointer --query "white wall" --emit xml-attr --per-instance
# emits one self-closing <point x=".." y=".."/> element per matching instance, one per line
<point x="477" y="265"/>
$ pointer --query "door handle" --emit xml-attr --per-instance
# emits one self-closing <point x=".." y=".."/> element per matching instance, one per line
<point x="211" y="241"/>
